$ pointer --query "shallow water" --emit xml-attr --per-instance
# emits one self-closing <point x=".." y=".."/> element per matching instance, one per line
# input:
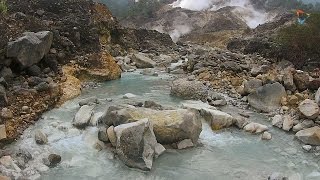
<point x="224" y="155"/>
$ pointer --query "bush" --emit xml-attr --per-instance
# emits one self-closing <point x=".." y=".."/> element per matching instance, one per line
<point x="300" y="43"/>
<point x="3" y="7"/>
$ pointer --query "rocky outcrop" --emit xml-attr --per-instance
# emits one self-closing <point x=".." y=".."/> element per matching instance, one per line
<point x="31" y="48"/>
<point x="170" y="126"/>
<point x="189" y="89"/>
<point x="268" y="97"/>
<point x="310" y="136"/>
<point x="136" y="144"/>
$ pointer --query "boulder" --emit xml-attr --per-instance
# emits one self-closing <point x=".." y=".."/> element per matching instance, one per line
<point x="251" y="85"/>
<point x="136" y="144"/>
<point x="40" y="137"/>
<point x="83" y="116"/>
<point x="301" y="80"/>
<point x="189" y="90"/>
<point x="170" y="126"/>
<point x="277" y="121"/>
<point x="287" y="123"/>
<point x="241" y="122"/>
<point x="317" y="97"/>
<point x="309" y="109"/>
<point x="310" y="136"/>
<point x="142" y="61"/>
<point x="268" y="97"/>
<point x="217" y="119"/>
<point x="31" y="48"/>
<point x="255" y="128"/>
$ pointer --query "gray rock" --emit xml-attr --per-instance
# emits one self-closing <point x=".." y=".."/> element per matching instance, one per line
<point x="241" y="122"/>
<point x="152" y="105"/>
<point x="40" y="137"/>
<point x="142" y="61"/>
<point x="89" y="101"/>
<point x="217" y="119"/>
<point x="52" y="160"/>
<point x="83" y="116"/>
<point x="33" y="81"/>
<point x="112" y="136"/>
<point x="268" y="97"/>
<point x="301" y="80"/>
<point x="34" y="70"/>
<point x="6" y="113"/>
<point x="188" y="90"/>
<point x="159" y="150"/>
<point x="3" y="82"/>
<point x="136" y="144"/>
<point x="266" y="136"/>
<point x="43" y="86"/>
<point x="251" y="86"/>
<point x="259" y="70"/>
<point x="297" y="127"/>
<point x="187" y="143"/>
<point x="255" y="128"/>
<point x="31" y="48"/>
<point x="310" y="136"/>
<point x="309" y="109"/>
<point x="129" y="96"/>
<point x="287" y="123"/>
<point x="6" y="73"/>
<point x="288" y="81"/>
<point x="277" y="121"/>
<point x="307" y="148"/>
<point x="102" y="135"/>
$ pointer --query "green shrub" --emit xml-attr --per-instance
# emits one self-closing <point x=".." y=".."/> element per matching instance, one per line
<point x="300" y="43"/>
<point x="3" y="7"/>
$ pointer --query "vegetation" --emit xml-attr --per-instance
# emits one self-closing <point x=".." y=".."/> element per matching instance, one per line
<point x="300" y="43"/>
<point x="3" y="7"/>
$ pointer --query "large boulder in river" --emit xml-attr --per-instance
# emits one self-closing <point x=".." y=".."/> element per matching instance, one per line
<point x="189" y="90"/>
<point x="217" y="119"/>
<point x="136" y="144"/>
<point x="31" y="48"/>
<point x="310" y="136"/>
<point x="142" y="61"/>
<point x="83" y="116"/>
<point x="170" y="126"/>
<point x="268" y="97"/>
<point x="309" y="109"/>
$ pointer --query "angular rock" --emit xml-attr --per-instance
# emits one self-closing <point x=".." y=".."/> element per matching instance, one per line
<point x="309" y="109"/>
<point x="31" y="48"/>
<point x="189" y="90"/>
<point x="102" y="135"/>
<point x="268" y="97"/>
<point x="310" y="136"/>
<point x="187" y="143"/>
<point x="40" y="137"/>
<point x="277" y="121"/>
<point x="287" y="123"/>
<point x="83" y="116"/>
<point x="136" y="144"/>
<point x="34" y="70"/>
<point x="251" y="85"/>
<point x="301" y="80"/>
<point x="112" y="136"/>
<point x="170" y="126"/>
<point x="44" y="86"/>
<point x="142" y="61"/>
<point x="317" y="97"/>
<point x="255" y="128"/>
<point x="259" y="70"/>
<point x="266" y="136"/>
<point x="159" y="150"/>
<point x="307" y="148"/>
<point x="217" y="119"/>
<point x="297" y="127"/>
<point x="3" y="134"/>
<point x="241" y="122"/>
<point x="277" y="176"/>
<point x="288" y="81"/>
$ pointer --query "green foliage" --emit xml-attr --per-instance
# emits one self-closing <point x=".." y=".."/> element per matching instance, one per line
<point x="3" y="7"/>
<point x="300" y="43"/>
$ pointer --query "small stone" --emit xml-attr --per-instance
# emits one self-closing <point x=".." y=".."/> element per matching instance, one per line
<point x="25" y="108"/>
<point x="266" y="136"/>
<point x="102" y="135"/>
<point x="109" y="100"/>
<point x="40" y="137"/>
<point x="112" y="136"/>
<point x="307" y="148"/>
<point x="187" y="143"/>
<point x="285" y="108"/>
<point x="34" y="70"/>
<point x="52" y="160"/>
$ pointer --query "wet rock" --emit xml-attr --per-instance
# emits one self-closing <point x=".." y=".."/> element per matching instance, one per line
<point x="112" y="136"/>
<point x="31" y="48"/>
<point x="317" y="97"/>
<point x="309" y="109"/>
<point x="251" y="85"/>
<point x="255" y="128"/>
<point x="307" y="148"/>
<point x="187" y="143"/>
<point x="34" y="70"/>
<point x="3" y="134"/>
<point x="217" y="119"/>
<point x="189" y="89"/>
<point x="129" y="96"/>
<point x="277" y="121"/>
<point x="102" y="135"/>
<point x="152" y="105"/>
<point x="89" y="101"/>
<point x="266" y="136"/>
<point x="6" y="113"/>
<point x="83" y="116"/>
<point x="136" y="144"/>
<point x="310" y="136"/>
<point x="40" y="137"/>
<point x="170" y="126"/>
<point x="52" y="160"/>
<point x="142" y="61"/>
<point x="97" y="117"/>
<point x="3" y="97"/>
<point x="301" y="80"/>
<point x="287" y="123"/>
<point x="268" y="97"/>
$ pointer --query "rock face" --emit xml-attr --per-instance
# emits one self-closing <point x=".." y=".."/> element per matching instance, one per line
<point x="142" y="61"/>
<point x="136" y="144"/>
<point x="217" y="119"/>
<point x="309" y="108"/>
<point x="31" y="48"/>
<point x="83" y="116"/>
<point x="185" y="89"/>
<point x="268" y="97"/>
<point x="170" y="126"/>
<point x="310" y="136"/>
